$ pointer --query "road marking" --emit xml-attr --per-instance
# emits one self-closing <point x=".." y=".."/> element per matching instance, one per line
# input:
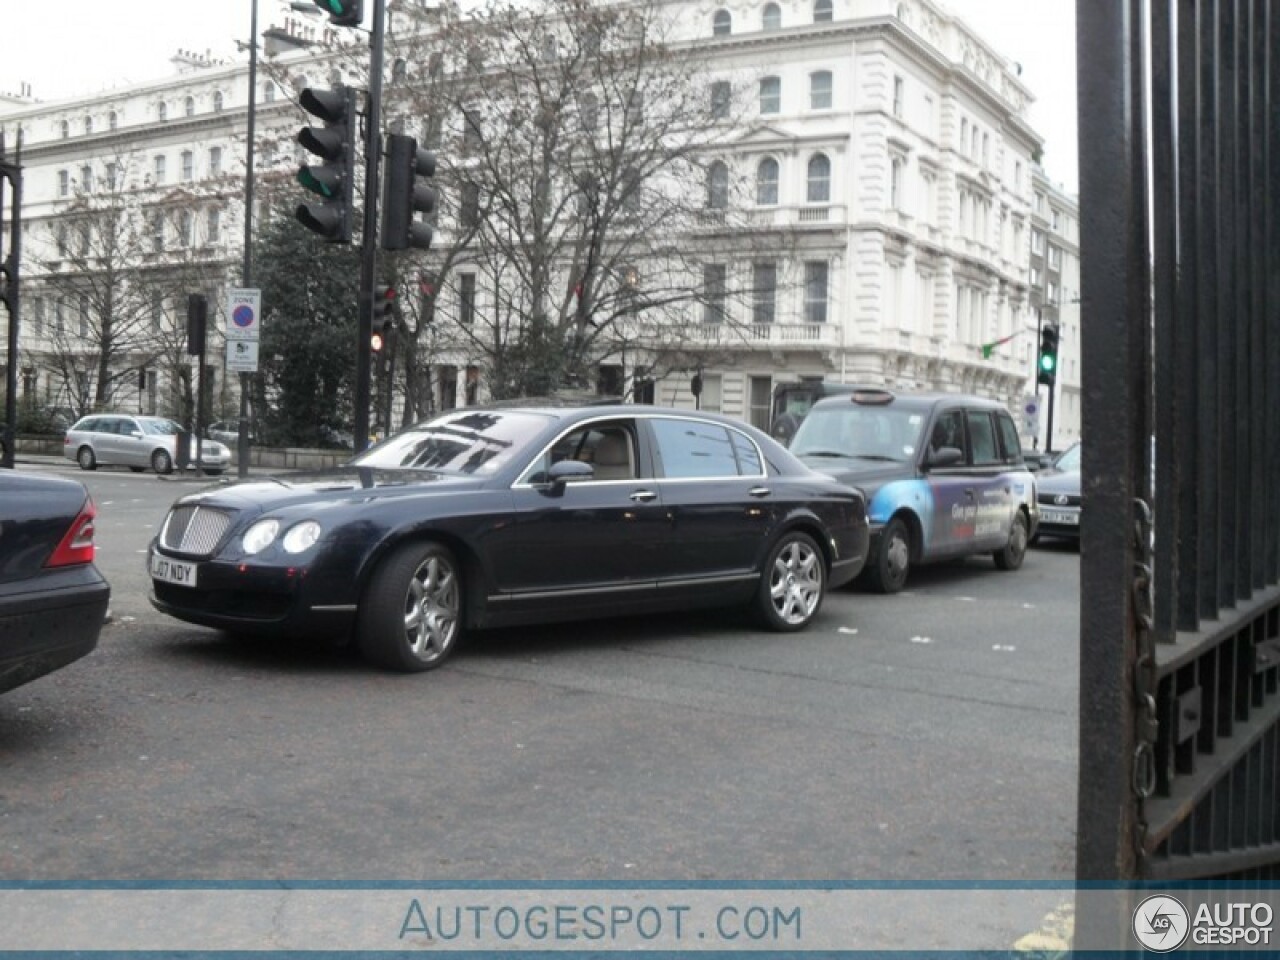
<point x="848" y="630"/>
<point x="1003" y="647"/>
<point x="922" y="640"/>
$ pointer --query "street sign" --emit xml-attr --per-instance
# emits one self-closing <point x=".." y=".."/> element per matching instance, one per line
<point x="1031" y="415"/>
<point x="244" y="308"/>
<point x="242" y="356"/>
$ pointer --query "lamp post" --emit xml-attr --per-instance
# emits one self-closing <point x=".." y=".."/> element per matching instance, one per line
<point x="242" y="439"/>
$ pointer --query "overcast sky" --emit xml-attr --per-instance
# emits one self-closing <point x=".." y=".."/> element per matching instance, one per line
<point x="69" y="47"/>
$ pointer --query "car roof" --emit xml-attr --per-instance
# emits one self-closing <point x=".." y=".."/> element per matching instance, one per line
<point x="880" y="397"/>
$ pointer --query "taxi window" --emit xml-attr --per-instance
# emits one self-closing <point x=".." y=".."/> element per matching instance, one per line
<point x="948" y="431"/>
<point x="982" y="438"/>
<point x="1009" y="434"/>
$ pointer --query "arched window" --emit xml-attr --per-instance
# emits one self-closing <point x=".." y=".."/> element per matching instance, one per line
<point x="722" y="23"/>
<point x="718" y="186"/>
<point x="162" y="111"/>
<point x="217" y="101"/>
<point x="767" y="182"/>
<point x="771" y="18"/>
<point x="88" y="125"/>
<point x="820" y="90"/>
<point x="190" y="107"/>
<point x="821" y="11"/>
<point x="770" y="94"/>
<point x="66" y="129"/>
<point x="113" y="120"/>
<point x="819" y="179"/>
<point x="269" y="92"/>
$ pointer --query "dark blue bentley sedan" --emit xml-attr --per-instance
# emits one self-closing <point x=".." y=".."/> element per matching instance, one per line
<point x="495" y="516"/>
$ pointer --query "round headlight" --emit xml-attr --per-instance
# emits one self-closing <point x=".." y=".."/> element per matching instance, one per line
<point x="259" y="536"/>
<point x="301" y="536"/>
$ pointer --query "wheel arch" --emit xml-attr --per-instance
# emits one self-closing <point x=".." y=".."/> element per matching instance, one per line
<point x="472" y="569"/>
<point x="915" y="532"/>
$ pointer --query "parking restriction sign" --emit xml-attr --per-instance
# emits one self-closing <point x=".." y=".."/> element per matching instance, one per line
<point x="244" y="305"/>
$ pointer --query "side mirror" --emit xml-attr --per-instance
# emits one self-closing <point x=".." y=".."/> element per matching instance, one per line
<point x="945" y="457"/>
<point x="568" y="471"/>
<point x="135" y="433"/>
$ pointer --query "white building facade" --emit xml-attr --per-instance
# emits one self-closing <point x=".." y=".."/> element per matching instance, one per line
<point x="883" y="154"/>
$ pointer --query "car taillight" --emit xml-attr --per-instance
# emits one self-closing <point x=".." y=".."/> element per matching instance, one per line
<point x="66" y="440"/>
<point x="77" y="543"/>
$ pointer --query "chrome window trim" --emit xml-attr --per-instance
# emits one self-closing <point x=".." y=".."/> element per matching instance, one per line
<point x="637" y="417"/>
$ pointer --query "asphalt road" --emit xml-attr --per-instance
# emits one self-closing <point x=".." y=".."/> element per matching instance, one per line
<point x="925" y="736"/>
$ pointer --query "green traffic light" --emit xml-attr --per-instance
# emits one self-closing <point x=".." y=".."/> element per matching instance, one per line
<point x="309" y="180"/>
<point x="1048" y="362"/>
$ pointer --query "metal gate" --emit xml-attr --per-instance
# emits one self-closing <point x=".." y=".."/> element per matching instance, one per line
<point x="1180" y="555"/>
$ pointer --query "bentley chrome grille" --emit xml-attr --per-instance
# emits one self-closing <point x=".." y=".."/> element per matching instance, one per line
<point x="194" y="529"/>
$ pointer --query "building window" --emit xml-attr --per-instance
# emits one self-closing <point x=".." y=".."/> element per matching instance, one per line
<point x="60" y="316"/>
<point x="771" y="18"/>
<point x="64" y="183"/>
<point x="896" y="165"/>
<point x="466" y="298"/>
<point x="184" y="228"/>
<point x="721" y="23"/>
<point x="815" y="291"/>
<point x="1051" y="293"/>
<point x="1055" y="258"/>
<point x="113" y="120"/>
<point x="822" y="11"/>
<point x="820" y="90"/>
<point x="66" y="129"/>
<point x="1035" y="277"/>
<point x="767" y="182"/>
<point x="61" y="240"/>
<point x="761" y="402"/>
<point x="215" y="161"/>
<point x="37" y="317"/>
<point x="157" y="232"/>
<point x="469" y="216"/>
<point x="214" y="226"/>
<point x="770" y="95"/>
<point x="471" y="131"/>
<point x="899" y="87"/>
<point x="1037" y="243"/>
<point x="84" y="237"/>
<point x="720" y="99"/>
<point x="189" y="107"/>
<point x="188" y="165"/>
<point x="158" y="167"/>
<point x="718" y="186"/>
<point x="113" y="176"/>
<point x="764" y="291"/>
<point x="86" y="178"/>
<point x="83" y="320"/>
<point x="1057" y="219"/>
<point x="818" y="188"/>
<point x="268" y="92"/>
<point x="713" y="293"/>
<point x="88" y="126"/>
<point x="217" y="101"/>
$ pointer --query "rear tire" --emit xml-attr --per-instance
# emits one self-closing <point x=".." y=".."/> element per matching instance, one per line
<point x="887" y="570"/>
<point x="86" y="459"/>
<point x="410" y="617"/>
<point x="161" y="462"/>
<point x="1011" y="555"/>
<point x="793" y="583"/>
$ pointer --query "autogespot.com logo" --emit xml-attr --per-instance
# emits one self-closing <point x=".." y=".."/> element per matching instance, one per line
<point x="1161" y="923"/>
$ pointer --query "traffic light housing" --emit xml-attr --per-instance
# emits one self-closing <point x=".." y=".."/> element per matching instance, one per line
<point x="342" y="13"/>
<point x="1047" y="363"/>
<point x="197" y="319"/>
<point x="403" y="195"/>
<point x="384" y="321"/>
<point x="334" y="179"/>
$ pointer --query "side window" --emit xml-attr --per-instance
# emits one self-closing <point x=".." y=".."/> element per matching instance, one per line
<point x="748" y="456"/>
<point x="610" y="448"/>
<point x="689" y="449"/>
<point x="982" y="438"/>
<point x="1009" y="434"/>
<point x="90" y="426"/>
<point x="948" y="431"/>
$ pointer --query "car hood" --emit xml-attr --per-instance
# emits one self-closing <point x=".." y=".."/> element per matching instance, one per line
<point x="864" y="474"/>
<point x="347" y="483"/>
<point x="1058" y="481"/>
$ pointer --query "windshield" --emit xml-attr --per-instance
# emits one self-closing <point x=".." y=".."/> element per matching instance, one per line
<point x="860" y="432"/>
<point x="1070" y="460"/>
<point x="461" y="442"/>
<point x="160" y="428"/>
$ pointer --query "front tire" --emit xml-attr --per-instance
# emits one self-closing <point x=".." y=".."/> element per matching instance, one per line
<point x="86" y="459"/>
<point x="410" y="617"/>
<point x="887" y="570"/>
<point x="1011" y="555"/>
<point x="161" y="462"/>
<point x="793" y="583"/>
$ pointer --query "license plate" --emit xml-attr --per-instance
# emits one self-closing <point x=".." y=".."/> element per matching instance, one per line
<point x="1067" y="517"/>
<point x="173" y="571"/>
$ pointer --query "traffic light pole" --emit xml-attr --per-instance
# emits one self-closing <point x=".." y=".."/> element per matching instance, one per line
<point x="242" y="435"/>
<point x="369" y="236"/>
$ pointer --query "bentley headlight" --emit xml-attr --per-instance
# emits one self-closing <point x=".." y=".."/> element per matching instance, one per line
<point x="258" y="537"/>
<point x="301" y="536"/>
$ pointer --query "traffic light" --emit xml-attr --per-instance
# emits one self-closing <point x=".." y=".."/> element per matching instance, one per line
<point x="1047" y="366"/>
<point x="403" y="195"/>
<point x="197" y="318"/>
<point x="384" y="322"/>
<point x="334" y="179"/>
<point x="342" y="13"/>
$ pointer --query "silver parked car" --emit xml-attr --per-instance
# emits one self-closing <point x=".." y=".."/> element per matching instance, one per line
<point x="137" y="443"/>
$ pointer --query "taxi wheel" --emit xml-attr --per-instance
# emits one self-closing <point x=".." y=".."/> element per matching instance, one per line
<point x="793" y="583"/>
<point x="1010" y="557"/>
<point x="887" y="570"/>
<point x="411" y="615"/>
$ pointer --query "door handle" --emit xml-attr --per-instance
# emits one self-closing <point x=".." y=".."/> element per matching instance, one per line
<point x="759" y="492"/>
<point x="644" y="496"/>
